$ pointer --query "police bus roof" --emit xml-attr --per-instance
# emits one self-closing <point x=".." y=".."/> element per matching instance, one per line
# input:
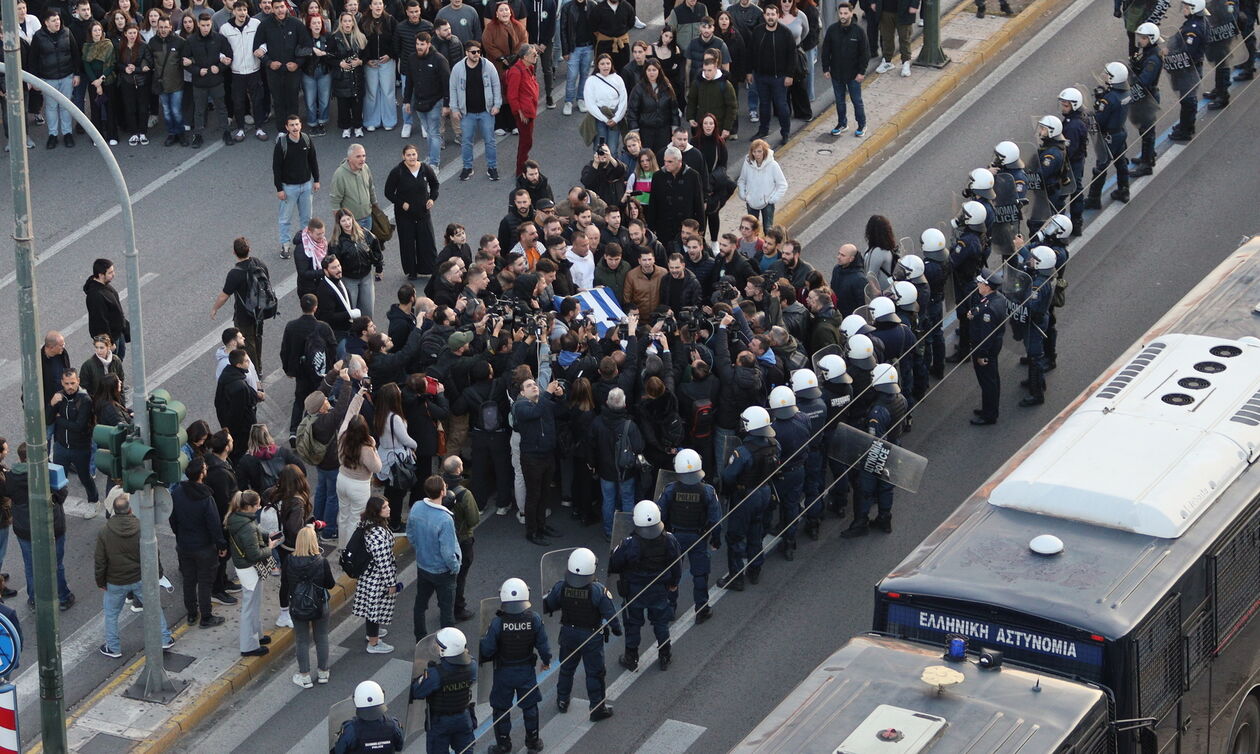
<point x="874" y="682"/>
<point x="1134" y="506"/>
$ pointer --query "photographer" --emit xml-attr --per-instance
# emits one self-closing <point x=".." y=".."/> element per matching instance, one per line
<point x="485" y="403"/>
<point x="697" y="399"/>
<point x="534" y="416"/>
<point x="729" y="263"/>
<point x="617" y="369"/>
<point x="605" y="175"/>
<point x="575" y="358"/>
<point x="386" y="365"/>
<point x="741" y="387"/>
<point x="434" y="339"/>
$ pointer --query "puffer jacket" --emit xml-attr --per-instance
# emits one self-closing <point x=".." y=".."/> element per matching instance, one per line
<point x="20" y="503"/>
<point x="204" y="52"/>
<point x="248" y="544"/>
<point x="168" y="74"/>
<point x="117" y="558"/>
<point x="54" y="56"/>
<point x="358" y="259"/>
<point x="764" y="184"/>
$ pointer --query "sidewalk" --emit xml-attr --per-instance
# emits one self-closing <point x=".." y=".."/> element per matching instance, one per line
<point x="815" y="162"/>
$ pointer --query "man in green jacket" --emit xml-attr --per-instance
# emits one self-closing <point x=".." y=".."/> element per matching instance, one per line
<point x="461" y="503"/>
<point x="713" y="93"/>
<point x="352" y="187"/>
<point x="118" y="572"/>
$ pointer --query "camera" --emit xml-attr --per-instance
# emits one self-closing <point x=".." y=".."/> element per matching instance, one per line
<point x="726" y="291"/>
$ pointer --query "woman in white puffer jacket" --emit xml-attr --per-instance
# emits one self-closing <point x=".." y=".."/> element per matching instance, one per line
<point x="606" y="101"/>
<point x="761" y="182"/>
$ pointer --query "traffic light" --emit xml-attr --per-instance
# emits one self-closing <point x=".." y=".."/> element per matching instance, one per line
<point x="135" y="472"/>
<point x="109" y="441"/>
<point x="166" y="433"/>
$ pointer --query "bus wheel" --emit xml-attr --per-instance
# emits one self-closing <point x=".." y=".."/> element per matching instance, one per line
<point x="1246" y="736"/>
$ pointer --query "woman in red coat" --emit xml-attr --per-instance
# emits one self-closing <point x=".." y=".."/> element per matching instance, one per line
<point x="521" y="88"/>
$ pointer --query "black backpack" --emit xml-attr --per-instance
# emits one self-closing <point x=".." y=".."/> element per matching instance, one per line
<point x="309" y="601"/>
<point x="269" y="471"/>
<point x="701" y="419"/>
<point x="355" y="558"/>
<point x="489" y="413"/>
<point x="315" y="361"/>
<point x="623" y="451"/>
<point x="259" y="299"/>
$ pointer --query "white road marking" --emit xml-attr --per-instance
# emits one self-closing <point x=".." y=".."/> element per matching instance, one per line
<point x="673" y="737"/>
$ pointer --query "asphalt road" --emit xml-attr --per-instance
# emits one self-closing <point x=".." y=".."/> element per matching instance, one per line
<point x="731" y="671"/>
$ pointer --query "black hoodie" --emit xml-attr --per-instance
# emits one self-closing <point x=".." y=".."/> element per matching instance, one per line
<point x="105" y="312"/>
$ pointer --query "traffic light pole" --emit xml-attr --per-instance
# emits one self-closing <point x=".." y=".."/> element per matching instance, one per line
<point x="152" y="684"/>
<point x="931" y="54"/>
<point x="52" y="705"/>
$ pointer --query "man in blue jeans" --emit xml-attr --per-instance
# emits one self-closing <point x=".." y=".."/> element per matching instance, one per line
<point x="425" y="91"/>
<point x="577" y="46"/>
<point x="475" y="98"/>
<point x="431" y="532"/>
<point x="616" y="484"/>
<point x="72" y="419"/>
<point x="20" y="502"/>
<point x="117" y="564"/>
<point x="845" y="53"/>
<point x="773" y="52"/>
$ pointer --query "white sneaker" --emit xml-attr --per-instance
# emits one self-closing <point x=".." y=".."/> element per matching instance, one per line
<point x="321" y="676"/>
<point x="406" y="131"/>
<point x="284" y="621"/>
<point x="303" y="680"/>
<point x="358" y="133"/>
<point x="581" y="105"/>
<point x="502" y="511"/>
<point x="500" y="132"/>
<point x="381" y="633"/>
<point x="379" y="648"/>
<point x="639" y="24"/>
<point x="905" y="69"/>
<point x="371" y="129"/>
<point x="884" y="67"/>
<point x="567" y="109"/>
<point x="345" y="133"/>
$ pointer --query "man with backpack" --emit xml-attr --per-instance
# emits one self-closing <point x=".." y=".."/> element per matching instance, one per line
<point x="617" y="443"/>
<point x="307" y="351"/>
<point x="316" y="434"/>
<point x="248" y="283"/>
<point x="463" y="506"/>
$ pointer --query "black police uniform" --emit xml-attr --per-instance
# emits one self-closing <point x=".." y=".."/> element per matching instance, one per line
<point x="1184" y="63"/>
<point x="689" y="511"/>
<point x="1077" y="134"/>
<point x="986" y="323"/>
<point x="1111" y="112"/>
<point x="359" y="736"/>
<point x="1222" y="29"/>
<point x="935" y="271"/>
<point x="1145" y="66"/>
<point x="966" y="259"/>
<point x="837" y="395"/>
<point x="1057" y="301"/>
<point x="884" y="420"/>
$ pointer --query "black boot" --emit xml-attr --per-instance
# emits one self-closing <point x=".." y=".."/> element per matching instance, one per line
<point x="1220" y="102"/>
<point x="665" y="656"/>
<point x="789" y="549"/>
<point x="735" y="584"/>
<point x="754" y="574"/>
<point x="883" y="522"/>
<point x="979" y="11"/>
<point x="1244" y="73"/>
<point x="703" y="614"/>
<point x="1092" y="201"/>
<point x="533" y="742"/>
<point x="629" y="660"/>
<point x="1121" y="194"/>
<point x="859" y="528"/>
<point x="501" y="745"/>
<point x="602" y="712"/>
<point x="1142" y="167"/>
<point x="811" y="528"/>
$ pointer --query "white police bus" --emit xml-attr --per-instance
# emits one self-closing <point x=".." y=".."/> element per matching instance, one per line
<point x="1120" y="547"/>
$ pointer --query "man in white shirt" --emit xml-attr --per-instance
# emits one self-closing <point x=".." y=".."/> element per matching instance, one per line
<point x="583" y="261"/>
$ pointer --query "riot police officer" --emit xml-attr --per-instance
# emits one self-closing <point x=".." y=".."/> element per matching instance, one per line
<point x="897" y="337"/>
<point x="1111" y="110"/>
<point x="935" y="272"/>
<point x="986" y="319"/>
<point x="516" y="639"/>
<point x="650" y="566"/>
<point x="1006" y="160"/>
<point x="860" y="360"/>
<point x="792" y="430"/>
<point x="1076" y="131"/>
<point x="905" y="295"/>
<point x="369" y="730"/>
<point x="1054" y="236"/>
<point x="910" y="304"/>
<point x="1247" y="12"/>
<point x="883" y="421"/>
<point x="812" y="406"/>
<point x="747" y="475"/>
<point x="586" y="609"/>
<point x="966" y="259"/>
<point x="1134" y="13"/>
<point x="1184" y="63"/>
<point x="690" y="510"/>
<point x="980" y="189"/>
<point x="1010" y="194"/>
<point x="1146" y="64"/>
<point x="1053" y="170"/>
<point x="1222" y="30"/>
<point x="447" y="685"/>
<point x="837" y="392"/>
<point x="1039" y="262"/>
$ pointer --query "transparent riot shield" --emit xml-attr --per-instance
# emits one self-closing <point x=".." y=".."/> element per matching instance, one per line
<point x="552" y="567"/>
<point x="872" y="290"/>
<point x="1039" y="208"/>
<point x="815" y="360"/>
<point x="1016" y="286"/>
<point x="489" y="606"/>
<point x="623" y="526"/>
<point x="1006" y="220"/>
<point x="864" y="311"/>
<point x="1180" y="66"/>
<point x="427" y="651"/>
<point x="865" y="452"/>
<point x="1222" y="26"/>
<point x="664" y="478"/>
<point x="338" y="715"/>
<point x="724" y="445"/>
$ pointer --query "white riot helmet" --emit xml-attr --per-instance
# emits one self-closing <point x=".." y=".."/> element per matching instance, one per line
<point x="905" y="295"/>
<point x="756" y="421"/>
<point x="1053" y="125"/>
<point x="514" y="596"/>
<point x="581" y="569"/>
<point x="980" y="181"/>
<point x="368" y="696"/>
<point x="805" y="383"/>
<point x="861" y="352"/>
<point x="647" y="519"/>
<point x="834" y="369"/>
<point x="1197" y="6"/>
<point x="974" y="214"/>
<point x="782" y="402"/>
<point x="451" y="641"/>
<point x="1072" y="96"/>
<point x="1149" y="30"/>
<point x="932" y="240"/>
<point x="1007" y="153"/>
<point x="688" y="467"/>
<point x="884" y="378"/>
<point x="853" y="325"/>
<point x="1058" y="226"/>
<point x="1117" y="73"/>
<point x="1043" y="258"/>
<point x="883" y="309"/>
<point x="910" y="267"/>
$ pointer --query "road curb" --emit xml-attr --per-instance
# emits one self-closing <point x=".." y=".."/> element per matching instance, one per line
<point x="907" y="117"/>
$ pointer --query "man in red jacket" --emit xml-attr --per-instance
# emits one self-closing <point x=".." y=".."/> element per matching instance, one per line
<point x="522" y="97"/>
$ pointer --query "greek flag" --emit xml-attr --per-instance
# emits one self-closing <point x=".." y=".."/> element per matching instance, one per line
<point x="601" y="305"/>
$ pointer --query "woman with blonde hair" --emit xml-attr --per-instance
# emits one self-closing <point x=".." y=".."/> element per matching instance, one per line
<point x="356" y="452"/>
<point x="348" y="75"/>
<point x="761" y="182"/>
<point x="360" y="253"/>
<point x="249" y="547"/>
<point x="310" y="574"/>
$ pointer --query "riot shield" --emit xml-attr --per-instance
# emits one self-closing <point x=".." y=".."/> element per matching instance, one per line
<point x="864" y="311"/>
<point x="552" y="567"/>
<point x="338" y="715"/>
<point x="1180" y="65"/>
<point x="1222" y="27"/>
<point x="724" y="445"/>
<point x="865" y="452"/>
<point x="828" y="350"/>
<point x="1007" y="219"/>
<point x="1016" y="287"/>
<point x="664" y="478"/>
<point x="489" y="606"/>
<point x="427" y="651"/>
<point x="623" y="526"/>
<point x="872" y="290"/>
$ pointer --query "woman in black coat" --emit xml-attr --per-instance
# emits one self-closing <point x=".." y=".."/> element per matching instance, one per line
<point x="348" y="76"/>
<point x="708" y="139"/>
<point x="413" y="188"/>
<point x="653" y="108"/>
<point x="424" y="405"/>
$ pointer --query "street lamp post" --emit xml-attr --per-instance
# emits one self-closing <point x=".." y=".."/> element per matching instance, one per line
<point x="931" y="54"/>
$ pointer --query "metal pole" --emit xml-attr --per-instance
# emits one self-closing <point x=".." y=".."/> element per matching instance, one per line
<point x="931" y="54"/>
<point x="52" y="707"/>
<point x="152" y="684"/>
